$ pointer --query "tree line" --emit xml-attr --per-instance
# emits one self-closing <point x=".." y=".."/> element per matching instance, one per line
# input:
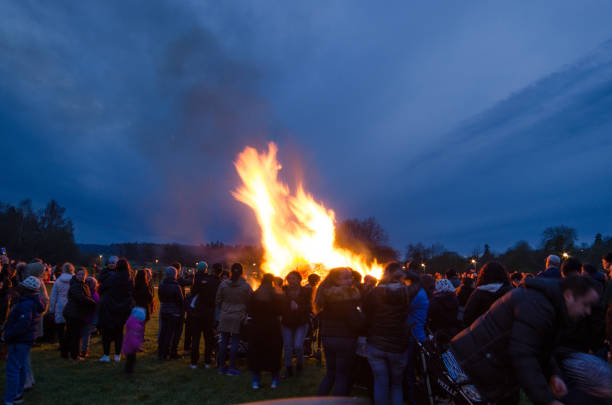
<point x="48" y="234"/>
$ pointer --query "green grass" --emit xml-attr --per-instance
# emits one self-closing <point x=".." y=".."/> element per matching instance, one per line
<point x="89" y="382"/>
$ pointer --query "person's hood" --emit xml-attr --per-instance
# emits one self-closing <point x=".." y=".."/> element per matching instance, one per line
<point x="446" y="299"/>
<point x="338" y="294"/>
<point x="551" y="289"/>
<point x="392" y="293"/>
<point x="35" y="298"/>
<point x="492" y="288"/>
<point x="238" y="283"/>
<point x="64" y="278"/>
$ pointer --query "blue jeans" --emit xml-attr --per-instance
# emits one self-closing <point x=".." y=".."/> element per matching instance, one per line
<point x="18" y="356"/>
<point x="293" y="342"/>
<point x="340" y="353"/>
<point x="235" y="341"/>
<point x="388" y="371"/>
<point x="85" y="336"/>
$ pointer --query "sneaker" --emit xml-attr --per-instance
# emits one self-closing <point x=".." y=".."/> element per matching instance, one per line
<point x="104" y="359"/>
<point x="255" y="385"/>
<point x="233" y="372"/>
<point x="193" y="366"/>
<point x="81" y="358"/>
<point x="207" y="365"/>
<point x="222" y="370"/>
<point x="274" y="384"/>
<point x="117" y="358"/>
<point x="18" y="400"/>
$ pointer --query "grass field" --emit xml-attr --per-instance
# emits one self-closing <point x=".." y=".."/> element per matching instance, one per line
<point x="89" y="382"/>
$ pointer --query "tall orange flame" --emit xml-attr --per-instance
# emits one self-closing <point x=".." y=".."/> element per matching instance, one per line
<point x="296" y="231"/>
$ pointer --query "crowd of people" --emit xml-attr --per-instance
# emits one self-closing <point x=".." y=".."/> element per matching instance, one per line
<point x="501" y="332"/>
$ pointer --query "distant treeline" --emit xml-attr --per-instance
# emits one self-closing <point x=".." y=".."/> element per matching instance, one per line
<point x="47" y="234"/>
<point x="27" y="233"/>
<point x="559" y="240"/>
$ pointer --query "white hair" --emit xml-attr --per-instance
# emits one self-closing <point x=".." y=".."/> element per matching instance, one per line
<point x="553" y="260"/>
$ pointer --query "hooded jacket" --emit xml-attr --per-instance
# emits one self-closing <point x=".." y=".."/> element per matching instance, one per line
<point x="386" y="308"/>
<point x="232" y="299"/>
<point x="59" y="296"/>
<point x="21" y="324"/>
<point x="512" y="344"/>
<point x="80" y="303"/>
<point x="481" y="300"/>
<point x="171" y="298"/>
<point x="338" y="314"/>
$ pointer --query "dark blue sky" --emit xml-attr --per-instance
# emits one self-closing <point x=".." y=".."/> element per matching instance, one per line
<point x="464" y="124"/>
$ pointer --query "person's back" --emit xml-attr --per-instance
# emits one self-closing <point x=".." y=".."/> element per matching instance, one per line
<point x="205" y="288"/>
<point x="482" y="299"/>
<point x="59" y="296"/>
<point x="22" y="320"/>
<point x="444" y="310"/>
<point x="512" y="344"/>
<point x="170" y="297"/>
<point x="386" y="310"/>
<point x="233" y="297"/>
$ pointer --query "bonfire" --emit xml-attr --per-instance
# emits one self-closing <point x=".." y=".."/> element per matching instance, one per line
<point x="297" y="232"/>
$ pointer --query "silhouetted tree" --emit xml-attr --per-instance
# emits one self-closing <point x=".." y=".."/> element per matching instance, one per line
<point x="559" y="239"/>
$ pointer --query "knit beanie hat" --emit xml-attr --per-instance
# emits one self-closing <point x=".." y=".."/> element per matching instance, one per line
<point x="31" y="283"/>
<point x="171" y="272"/>
<point x="444" y="285"/>
<point x="202" y="266"/>
<point x="34" y="269"/>
<point x="139" y="313"/>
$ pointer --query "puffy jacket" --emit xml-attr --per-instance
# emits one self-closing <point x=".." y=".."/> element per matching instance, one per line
<point x="301" y="316"/>
<point x="116" y="299"/>
<point x="59" y="296"/>
<point x="22" y="321"/>
<point x="512" y="344"/>
<point x="481" y="300"/>
<point x="417" y="315"/>
<point x="443" y="313"/>
<point x="386" y="309"/>
<point x="339" y="314"/>
<point x="171" y="298"/>
<point x="232" y="300"/>
<point x="80" y="303"/>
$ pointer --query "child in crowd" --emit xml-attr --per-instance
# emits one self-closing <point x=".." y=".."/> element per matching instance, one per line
<point x="19" y="335"/>
<point x="134" y="337"/>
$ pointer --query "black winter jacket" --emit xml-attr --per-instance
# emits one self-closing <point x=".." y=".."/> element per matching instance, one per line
<point x="512" y="344"/>
<point x="339" y="315"/>
<point x="481" y="300"/>
<point x="301" y="316"/>
<point x="171" y="298"/>
<point x="443" y="313"/>
<point x="386" y="308"/>
<point x="205" y="288"/>
<point x="116" y="299"/>
<point x="80" y="304"/>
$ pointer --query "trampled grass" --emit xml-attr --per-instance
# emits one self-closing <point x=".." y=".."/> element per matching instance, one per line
<point x="60" y="381"/>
